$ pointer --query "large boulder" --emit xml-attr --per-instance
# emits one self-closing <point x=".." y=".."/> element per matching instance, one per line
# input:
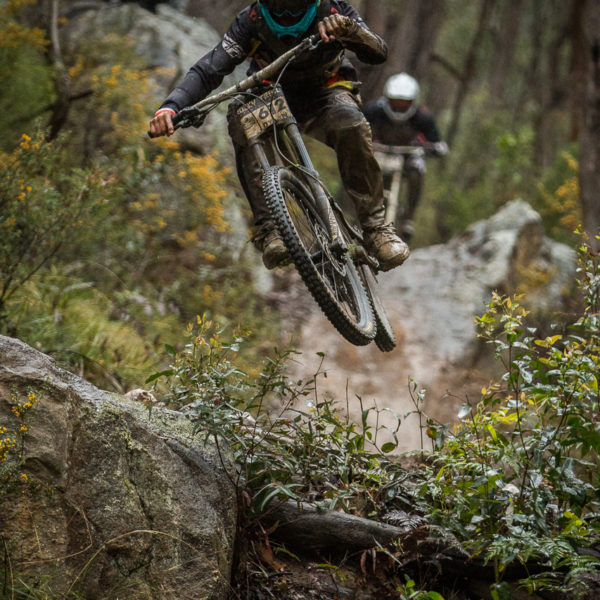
<point x="431" y="302"/>
<point x="110" y="500"/>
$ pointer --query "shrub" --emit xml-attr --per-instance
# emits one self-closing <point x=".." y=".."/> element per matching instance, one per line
<point x="515" y="481"/>
<point x="44" y="205"/>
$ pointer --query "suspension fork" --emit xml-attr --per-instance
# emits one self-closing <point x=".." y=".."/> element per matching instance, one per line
<point x="295" y="144"/>
<point x="314" y="181"/>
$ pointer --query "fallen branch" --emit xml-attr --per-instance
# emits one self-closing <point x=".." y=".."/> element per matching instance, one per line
<point x="306" y="528"/>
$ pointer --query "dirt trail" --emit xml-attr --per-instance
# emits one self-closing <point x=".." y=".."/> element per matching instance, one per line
<point x="378" y="378"/>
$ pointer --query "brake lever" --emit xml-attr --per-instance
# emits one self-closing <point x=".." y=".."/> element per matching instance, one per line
<point x="315" y="41"/>
<point x="187" y="117"/>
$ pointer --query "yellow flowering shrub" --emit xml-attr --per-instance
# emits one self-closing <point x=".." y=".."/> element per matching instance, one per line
<point x="14" y="35"/>
<point x="42" y="207"/>
<point x="109" y="241"/>
<point x="562" y="206"/>
<point x="11" y="439"/>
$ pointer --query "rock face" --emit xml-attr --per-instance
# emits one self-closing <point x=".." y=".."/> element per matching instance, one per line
<point x="168" y="44"/>
<point x="110" y="500"/>
<point x="431" y="301"/>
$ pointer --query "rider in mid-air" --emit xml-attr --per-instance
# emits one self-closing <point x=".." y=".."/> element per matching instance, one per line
<point x="397" y="119"/>
<point x="322" y="93"/>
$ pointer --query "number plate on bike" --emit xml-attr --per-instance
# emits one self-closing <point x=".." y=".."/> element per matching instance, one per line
<point x="261" y="113"/>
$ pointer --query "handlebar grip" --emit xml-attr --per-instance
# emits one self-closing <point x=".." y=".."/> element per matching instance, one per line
<point x="175" y="119"/>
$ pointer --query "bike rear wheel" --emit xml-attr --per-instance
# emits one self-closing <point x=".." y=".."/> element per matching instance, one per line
<point x="330" y="275"/>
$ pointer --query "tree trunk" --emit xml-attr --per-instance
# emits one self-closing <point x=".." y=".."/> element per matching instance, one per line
<point x="313" y="534"/>
<point x="505" y="42"/>
<point x="589" y="136"/>
<point x="307" y="529"/>
<point x="384" y="19"/>
<point x="548" y="77"/>
<point x="410" y="35"/>
<point x="469" y="67"/>
<point x="62" y="81"/>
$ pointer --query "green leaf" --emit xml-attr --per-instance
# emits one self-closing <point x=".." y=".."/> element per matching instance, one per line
<point x="492" y="432"/>
<point x="154" y="377"/>
<point x="388" y="447"/>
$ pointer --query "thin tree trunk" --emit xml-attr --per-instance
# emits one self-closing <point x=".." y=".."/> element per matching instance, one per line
<point x="385" y="20"/>
<point x="589" y="137"/>
<point x="547" y="80"/>
<point x="506" y="38"/>
<point x="469" y="67"/>
<point x="62" y="81"/>
<point x="410" y="34"/>
<point x="417" y="35"/>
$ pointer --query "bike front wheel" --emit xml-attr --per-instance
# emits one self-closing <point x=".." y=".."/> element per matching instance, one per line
<point x="328" y="273"/>
<point x="385" y="339"/>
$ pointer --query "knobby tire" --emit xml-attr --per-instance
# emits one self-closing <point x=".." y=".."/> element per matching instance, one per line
<point x="385" y="339"/>
<point x="332" y="280"/>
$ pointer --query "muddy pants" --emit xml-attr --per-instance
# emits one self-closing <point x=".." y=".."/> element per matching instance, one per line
<point x="332" y="116"/>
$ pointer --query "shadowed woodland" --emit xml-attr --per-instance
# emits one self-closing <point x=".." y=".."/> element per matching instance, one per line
<point x="127" y="261"/>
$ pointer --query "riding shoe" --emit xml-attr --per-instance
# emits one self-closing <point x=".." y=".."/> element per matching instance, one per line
<point x="268" y="241"/>
<point x="386" y="246"/>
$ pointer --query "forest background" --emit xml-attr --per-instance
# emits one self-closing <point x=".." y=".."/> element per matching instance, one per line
<point x="110" y="244"/>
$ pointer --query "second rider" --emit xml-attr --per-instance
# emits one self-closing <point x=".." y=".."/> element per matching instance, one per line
<point x="321" y="91"/>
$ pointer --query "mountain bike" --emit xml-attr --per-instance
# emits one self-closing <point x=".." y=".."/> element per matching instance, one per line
<point x="391" y="160"/>
<point x="325" y="248"/>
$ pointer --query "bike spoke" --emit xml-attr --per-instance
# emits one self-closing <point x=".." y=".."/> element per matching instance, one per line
<point x="325" y="266"/>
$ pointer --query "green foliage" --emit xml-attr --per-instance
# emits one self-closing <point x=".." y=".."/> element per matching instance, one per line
<point x="287" y="442"/>
<point x="481" y="173"/>
<point x="516" y="481"/>
<point x="43" y="205"/>
<point x="410" y="591"/>
<point x="109" y="242"/>
<point x="25" y="76"/>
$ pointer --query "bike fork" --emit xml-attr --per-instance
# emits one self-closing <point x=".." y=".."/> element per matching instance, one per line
<point x="314" y="181"/>
<point x="394" y="197"/>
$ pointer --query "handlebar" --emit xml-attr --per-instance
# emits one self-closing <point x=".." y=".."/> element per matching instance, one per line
<point x="195" y="114"/>
<point x="397" y="150"/>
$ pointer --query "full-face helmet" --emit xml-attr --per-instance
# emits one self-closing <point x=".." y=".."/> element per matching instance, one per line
<point x="289" y="17"/>
<point x="402" y="94"/>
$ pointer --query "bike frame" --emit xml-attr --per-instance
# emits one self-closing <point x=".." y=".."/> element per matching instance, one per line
<point x="391" y="160"/>
<point x="267" y="119"/>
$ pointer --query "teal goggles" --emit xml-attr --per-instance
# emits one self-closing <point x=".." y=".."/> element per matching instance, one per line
<point x="294" y="30"/>
<point x="289" y="13"/>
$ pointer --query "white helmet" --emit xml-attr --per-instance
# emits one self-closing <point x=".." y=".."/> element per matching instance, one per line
<point x="401" y="87"/>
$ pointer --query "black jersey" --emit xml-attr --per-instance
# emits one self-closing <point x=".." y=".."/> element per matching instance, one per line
<point x="248" y="37"/>
<point x="389" y="131"/>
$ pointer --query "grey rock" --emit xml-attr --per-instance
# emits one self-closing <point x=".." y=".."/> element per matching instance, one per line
<point x="119" y="502"/>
